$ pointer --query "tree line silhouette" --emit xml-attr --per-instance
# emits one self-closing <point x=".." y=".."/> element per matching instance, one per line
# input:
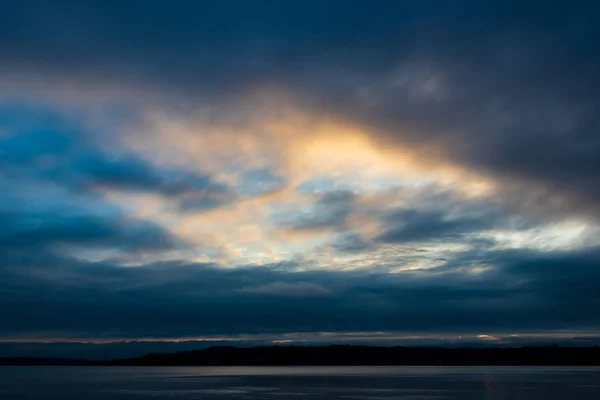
<point x="370" y="355"/>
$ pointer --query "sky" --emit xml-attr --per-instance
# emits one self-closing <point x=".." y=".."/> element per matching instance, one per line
<point x="178" y="174"/>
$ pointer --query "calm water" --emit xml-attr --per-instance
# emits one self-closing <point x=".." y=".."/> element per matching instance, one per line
<point x="374" y="383"/>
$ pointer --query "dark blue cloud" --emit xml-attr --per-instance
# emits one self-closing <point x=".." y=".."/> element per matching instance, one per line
<point x="56" y="150"/>
<point x="351" y="242"/>
<point x="33" y="228"/>
<point x="63" y="295"/>
<point x="52" y="171"/>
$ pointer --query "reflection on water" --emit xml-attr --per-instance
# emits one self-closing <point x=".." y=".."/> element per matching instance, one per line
<point x="253" y="383"/>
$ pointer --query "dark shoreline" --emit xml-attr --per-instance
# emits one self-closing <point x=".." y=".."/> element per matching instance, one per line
<point x="337" y="355"/>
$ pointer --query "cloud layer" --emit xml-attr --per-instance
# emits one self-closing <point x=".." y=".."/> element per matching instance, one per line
<point x="192" y="170"/>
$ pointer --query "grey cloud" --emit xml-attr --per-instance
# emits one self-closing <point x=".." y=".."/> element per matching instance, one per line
<point x="212" y="196"/>
<point x="330" y="211"/>
<point x="179" y="299"/>
<point x="428" y="215"/>
<point x="500" y="86"/>
<point x="351" y="242"/>
<point x="432" y="214"/>
<point x="419" y="225"/>
<point x="287" y="289"/>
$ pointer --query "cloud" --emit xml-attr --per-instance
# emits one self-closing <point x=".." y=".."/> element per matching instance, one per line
<point x="300" y="131"/>
<point x="519" y="291"/>
<point x="287" y="289"/>
<point x="53" y="190"/>
<point x="211" y="196"/>
<point x="351" y="242"/>
<point x="43" y="226"/>
<point x="414" y="225"/>
<point x="330" y="211"/>
<point x="50" y="152"/>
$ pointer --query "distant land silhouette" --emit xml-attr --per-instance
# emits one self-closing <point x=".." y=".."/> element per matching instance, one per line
<point x="370" y="355"/>
<point x="345" y="355"/>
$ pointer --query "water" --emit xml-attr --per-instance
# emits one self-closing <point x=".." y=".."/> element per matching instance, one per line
<point x="253" y="383"/>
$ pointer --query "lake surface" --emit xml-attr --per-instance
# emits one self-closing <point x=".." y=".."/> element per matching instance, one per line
<point x="253" y="383"/>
